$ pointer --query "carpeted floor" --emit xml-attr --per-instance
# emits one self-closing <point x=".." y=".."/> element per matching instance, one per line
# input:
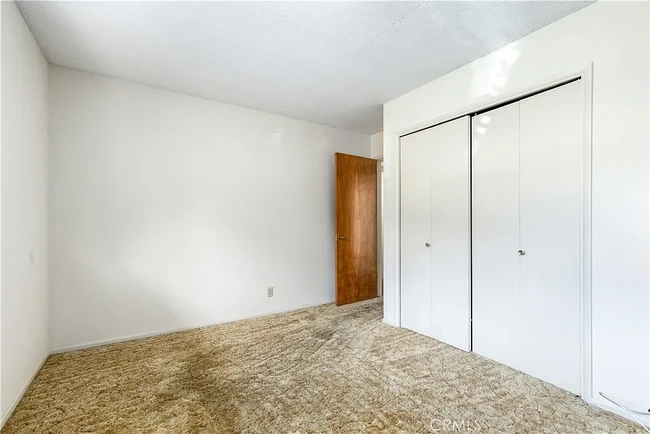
<point x="324" y="369"/>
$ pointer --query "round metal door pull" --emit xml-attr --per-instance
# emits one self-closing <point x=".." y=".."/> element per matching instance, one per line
<point x="427" y="244"/>
<point x="521" y="252"/>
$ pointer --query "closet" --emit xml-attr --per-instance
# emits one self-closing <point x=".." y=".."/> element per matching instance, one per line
<point x="435" y="224"/>
<point x="504" y="261"/>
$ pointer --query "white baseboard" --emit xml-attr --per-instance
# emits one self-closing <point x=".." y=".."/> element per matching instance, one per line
<point x="14" y="404"/>
<point x="602" y="403"/>
<point x="99" y="343"/>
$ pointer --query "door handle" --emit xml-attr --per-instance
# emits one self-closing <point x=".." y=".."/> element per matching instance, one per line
<point x="521" y="252"/>
<point x="427" y="244"/>
<point x="340" y="237"/>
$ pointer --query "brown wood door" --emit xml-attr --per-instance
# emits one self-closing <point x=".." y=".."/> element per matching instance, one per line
<point x="356" y="228"/>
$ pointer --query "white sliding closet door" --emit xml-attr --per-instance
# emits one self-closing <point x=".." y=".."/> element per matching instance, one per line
<point x="495" y="234"/>
<point x="450" y="229"/>
<point x="435" y="232"/>
<point x="527" y="178"/>
<point x="551" y="163"/>
<point x="415" y="223"/>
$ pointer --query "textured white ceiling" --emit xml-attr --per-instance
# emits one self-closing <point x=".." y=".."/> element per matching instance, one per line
<point x="332" y="63"/>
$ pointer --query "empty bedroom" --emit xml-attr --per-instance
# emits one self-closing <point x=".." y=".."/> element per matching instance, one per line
<point x="325" y="217"/>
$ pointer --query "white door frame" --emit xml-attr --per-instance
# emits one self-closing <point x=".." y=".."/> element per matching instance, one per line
<point x="585" y="74"/>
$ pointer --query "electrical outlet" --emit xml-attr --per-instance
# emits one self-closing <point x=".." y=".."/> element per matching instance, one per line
<point x="269" y="291"/>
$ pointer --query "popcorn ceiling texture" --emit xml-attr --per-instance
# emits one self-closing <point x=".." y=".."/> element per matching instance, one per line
<point x="333" y="63"/>
<point x="317" y="370"/>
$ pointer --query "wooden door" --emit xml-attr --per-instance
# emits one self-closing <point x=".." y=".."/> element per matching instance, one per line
<point x="356" y="228"/>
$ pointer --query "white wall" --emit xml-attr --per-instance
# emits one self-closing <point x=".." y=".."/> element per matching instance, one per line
<point x="24" y="208"/>
<point x="170" y="211"/>
<point x="377" y="145"/>
<point x="614" y="36"/>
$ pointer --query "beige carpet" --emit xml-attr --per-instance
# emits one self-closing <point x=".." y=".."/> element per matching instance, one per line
<point x="324" y="369"/>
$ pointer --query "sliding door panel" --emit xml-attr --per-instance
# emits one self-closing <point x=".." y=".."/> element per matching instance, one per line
<point x="450" y="227"/>
<point x="415" y="232"/>
<point x="551" y="156"/>
<point x="495" y="235"/>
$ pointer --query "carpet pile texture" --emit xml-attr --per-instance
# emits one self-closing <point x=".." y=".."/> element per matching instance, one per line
<point x="317" y="370"/>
